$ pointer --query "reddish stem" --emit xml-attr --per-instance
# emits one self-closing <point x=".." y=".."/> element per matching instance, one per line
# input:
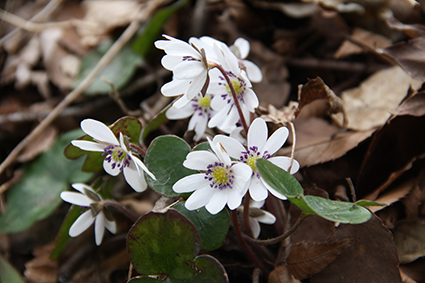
<point x="127" y="213"/>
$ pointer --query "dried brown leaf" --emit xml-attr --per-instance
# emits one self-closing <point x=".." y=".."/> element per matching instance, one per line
<point x="42" y="143"/>
<point x="41" y="268"/>
<point x="306" y="259"/>
<point x="410" y="56"/>
<point x="371" y="258"/>
<point x="413" y="30"/>
<point x="367" y="38"/>
<point x="281" y="274"/>
<point x="368" y="105"/>
<point x="316" y="89"/>
<point x="409" y="238"/>
<point x="414" y="106"/>
<point x="392" y="196"/>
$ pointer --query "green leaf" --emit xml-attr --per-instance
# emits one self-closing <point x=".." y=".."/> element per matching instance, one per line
<point x="150" y="31"/>
<point x="63" y="235"/>
<point x="128" y="126"/>
<point x="8" y="274"/>
<point x="119" y="71"/>
<point x="203" y="146"/>
<point x="158" y="243"/>
<point x="369" y="203"/>
<point x="338" y="211"/>
<point x="165" y="245"/>
<point x="36" y="195"/>
<point x="164" y="158"/>
<point x="212" y="228"/>
<point x="279" y="179"/>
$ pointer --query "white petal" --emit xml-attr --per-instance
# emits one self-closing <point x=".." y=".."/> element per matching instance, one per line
<point x="99" y="228"/>
<point x="199" y="124"/>
<point x="175" y="87"/>
<point x="234" y="199"/>
<point x="257" y="190"/>
<point x="242" y="177"/>
<point x="221" y="153"/>
<point x="142" y="165"/>
<point x="196" y="86"/>
<point x="76" y="198"/>
<point x="181" y="102"/>
<point x="266" y="218"/>
<point x="81" y="224"/>
<point x="231" y="119"/>
<point x="107" y="166"/>
<point x="218" y="201"/>
<point x="81" y="187"/>
<point x="160" y="44"/>
<point x="233" y="147"/>
<point x="111" y="226"/>
<point x="134" y="179"/>
<point x="284" y="162"/>
<point x="179" y="113"/>
<point x="189" y="69"/>
<point x="88" y="145"/>
<point x="190" y="183"/>
<point x="170" y="62"/>
<point x="199" y="198"/>
<point x="255" y="227"/>
<point x="243" y="46"/>
<point x="256" y="204"/>
<point x="273" y="191"/>
<point x="253" y="71"/>
<point x="181" y="48"/>
<point x="257" y="133"/>
<point x="250" y="99"/>
<point x="199" y="160"/>
<point x="276" y="140"/>
<point x="98" y="131"/>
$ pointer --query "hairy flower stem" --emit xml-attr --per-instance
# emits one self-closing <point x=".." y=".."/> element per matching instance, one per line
<point x="235" y="96"/>
<point x="138" y="148"/>
<point x="248" y="229"/>
<point x="279" y="238"/>
<point x="126" y="212"/>
<point x="245" y="246"/>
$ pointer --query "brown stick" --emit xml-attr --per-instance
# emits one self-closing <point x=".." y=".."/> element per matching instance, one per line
<point x="109" y="55"/>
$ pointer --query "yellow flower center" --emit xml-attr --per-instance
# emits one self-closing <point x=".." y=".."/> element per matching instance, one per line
<point x="205" y="101"/>
<point x="236" y="85"/>
<point x="251" y="162"/>
<point x="220" y="176"/>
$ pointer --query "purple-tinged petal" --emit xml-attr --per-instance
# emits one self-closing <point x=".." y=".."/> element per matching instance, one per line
<point x="107" y="166"/>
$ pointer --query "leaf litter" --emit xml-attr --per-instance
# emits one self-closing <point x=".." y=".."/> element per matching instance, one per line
<point x="353" y="120"/>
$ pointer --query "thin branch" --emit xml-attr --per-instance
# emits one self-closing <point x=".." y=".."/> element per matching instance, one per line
<point x="115" y="95"/>
<point x="294" y="141"/>
<point x="246" y="223"/>
<point x="36" y="27"/>
<point x="279" y="238"/>
<point x="42" y="15"/>
<point x="109" y="55"/>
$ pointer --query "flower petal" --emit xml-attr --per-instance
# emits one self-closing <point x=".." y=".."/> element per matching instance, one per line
<point x="221" y="153"/>
<point x="81" y="224"/>
<point x="276" y="140"/>
<point x="250" y="99"/>
<point x="170" y="62"/>
<point x="111" y="226"/>
<point x="199" y="160"/>
<point x="175" y="87"/>
<point x="284" y="162"/>
<point x="189" y="69"/>
<point x="234" y="199"/>
<point x="181" y="102"/>
<point x="81" y="187"/>
<point x="243" y="45"/>
<point x="199" y="124"/>
<point x="199" y="198"/>
<point x="181" y="48"/>
<point x="218" y="201"/>
<point x="255" y="227"/>
<point x="196" y="85"/>
<point x="190" y="183"/>
<point x="266" y="218"/>
<point x="233" y="147"/>
<point x="257" y="133"/>
<point x="179" y="113"/>
<point x="88" y="145"/>
<point x="107" y="166"/>
<point x="273" y="191"/>
<point x="142" y="165"/>
<point x="253" y="71"/>
<point x="98" y="131"/>
<point x="99" y="228"/>
<point x="257" y="190"/>
<point x="135" y="179"/>
<point x="76" y="198"/>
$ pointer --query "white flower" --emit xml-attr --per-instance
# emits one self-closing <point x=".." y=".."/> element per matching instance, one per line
<point x="189" y="63"/>
<point x="96" y="212"/>
<point x="257" y="216"/>
<point x="259" y="147"/>
<point x="241" y="50"/>
<point x="222" y="181"/>
<point x="200" y="110"/>
<point x="119" y="157"/>
<point x="223" y="101"/>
